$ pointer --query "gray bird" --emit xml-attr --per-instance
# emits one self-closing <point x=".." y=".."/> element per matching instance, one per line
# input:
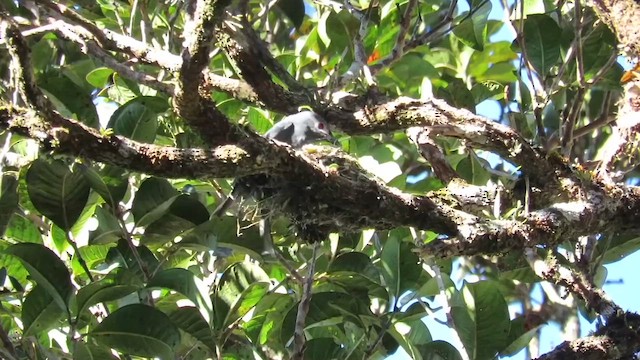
<point x="300" y="129"/>
<point x="296" y="130"/>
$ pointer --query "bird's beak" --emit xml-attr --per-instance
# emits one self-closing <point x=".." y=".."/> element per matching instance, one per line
<point x="330" y="138"/>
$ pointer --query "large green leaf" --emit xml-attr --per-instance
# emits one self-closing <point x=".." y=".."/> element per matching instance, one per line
<point x="108" y="230"/>
<point x="294" y="9"/>
<point x="101" y="291"/>
<point x="472" y="31"/>
<point x="153" y="199"/>
<point x="520" y="335"/>
<point x="542" y="42"/>
<point x="138" y="118"/>
<point x="110" y="182"/>
<point x="240" y="287"/>
<point x="267" y="319"/>
<point x="190" y="320"/>
<point x="84" y="351"/>
<point x="56" y="192"/>
<point x="439" y="350"/>
<point x="46" y="268"/>
<point x="139" y="329"/>
<point x="21" y="229"/>
<point x="481" y="317"/>
<point x="39" y="312"/>
<point x="70" y="99"/>
<point x="187" y="284"/>
<point x="8" y="199"/>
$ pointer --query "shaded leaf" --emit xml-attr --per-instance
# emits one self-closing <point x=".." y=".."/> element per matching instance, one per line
<point x="153" y="199"/>
<point x="56" y="192"/>
<point x="472" y="31"/>
<point x="39" y="312"/>
<point x="46" y="268"/>
<point x="542" y="42"/>
<point x="138" y="118"/>
<point x="294" y="9"/>
<point x="8" y="199"/>
<point x="138" y="329"/>
<point x="187" y="284"/>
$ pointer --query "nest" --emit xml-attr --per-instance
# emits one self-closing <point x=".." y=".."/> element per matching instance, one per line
<point x="304" y="201"/>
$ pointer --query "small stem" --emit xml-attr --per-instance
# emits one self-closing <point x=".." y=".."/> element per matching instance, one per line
<point x="299" y="339"/>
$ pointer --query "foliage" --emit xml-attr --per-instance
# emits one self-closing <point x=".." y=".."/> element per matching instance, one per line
<point x="100" y="262"/>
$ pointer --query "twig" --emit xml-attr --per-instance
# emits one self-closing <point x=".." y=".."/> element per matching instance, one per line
<point x="571" y="120"/>
<point x="577" y="7"/>
<point x="603" y="120"/>
<point x="299" y="339"/>
<point x="294" y="273"/>
<point x="76" y="252"/>
<point x="577" y="283"/>
<point x="432" y="153"/>
<point x="90" y="46"/>
<point x="6" y="342"/>
<point x="404" y="29"/>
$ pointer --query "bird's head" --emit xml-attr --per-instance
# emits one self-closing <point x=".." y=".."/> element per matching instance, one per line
<point x="316" y="128"/>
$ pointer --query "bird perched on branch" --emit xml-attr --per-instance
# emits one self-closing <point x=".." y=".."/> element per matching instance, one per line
<point x="300" y="129"/>
<point x="296" y="130"/>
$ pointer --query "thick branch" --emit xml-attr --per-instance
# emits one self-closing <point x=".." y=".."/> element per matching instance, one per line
<point x="610" y="209"/>
<point x="618" y="339"/>
<point x="443" y="119"/>
<point x="622" y="17"/>
<point x="66" y="136"/>
<point x="249" y="56"/>
<point x="190" y="103"/>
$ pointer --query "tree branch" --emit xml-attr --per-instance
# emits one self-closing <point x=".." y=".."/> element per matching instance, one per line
<point x="193" y="106"/>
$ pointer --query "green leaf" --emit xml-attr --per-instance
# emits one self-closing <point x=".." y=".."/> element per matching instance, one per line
<point x="8" y="199"/>
<point x="46" y="268"/>
<point x="153" y="199"/>
<point x="70" y="99"/>
<point x="110" y="182"/>
<point x="239" y="286"/>
<point x="268" y="315"/>
<point x="326" y="310"/>
<point x="23" y="230"/>
<point x="472" y="31"/>
<point x="99" y="77"/>
<point x="620" y="246"/>
<point x="399" y="265"/>
<point x="124" y="257"/>
<point x="322" y="348"/>
<point x="108" y="230"/>
<point x="542" y="42"/>
<point x="481" y="319"/>
<point x="190" y="320"/>
<point x="293" y="9"/>
<point x="390" y="265"/>
<point x="187" y="284"/>
<point x="412" y="334"/>
<point x="56" y="192"/>
<point x="520" y="335"/>
<point x="101" y="291"/>
<point x="138" y="118"/>
<point x="439" y="350"/>
<point x="39" y="312"/>
<point x="259" y="119"/>
<point x="139" y="329"/>
<point x="84" y="351"/>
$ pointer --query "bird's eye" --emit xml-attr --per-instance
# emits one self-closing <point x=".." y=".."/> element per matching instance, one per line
<point x="320" y="126"/>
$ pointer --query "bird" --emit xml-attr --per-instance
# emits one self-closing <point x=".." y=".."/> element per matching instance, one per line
<point x="300" y="129"/>
<point x="296" y="130"/>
